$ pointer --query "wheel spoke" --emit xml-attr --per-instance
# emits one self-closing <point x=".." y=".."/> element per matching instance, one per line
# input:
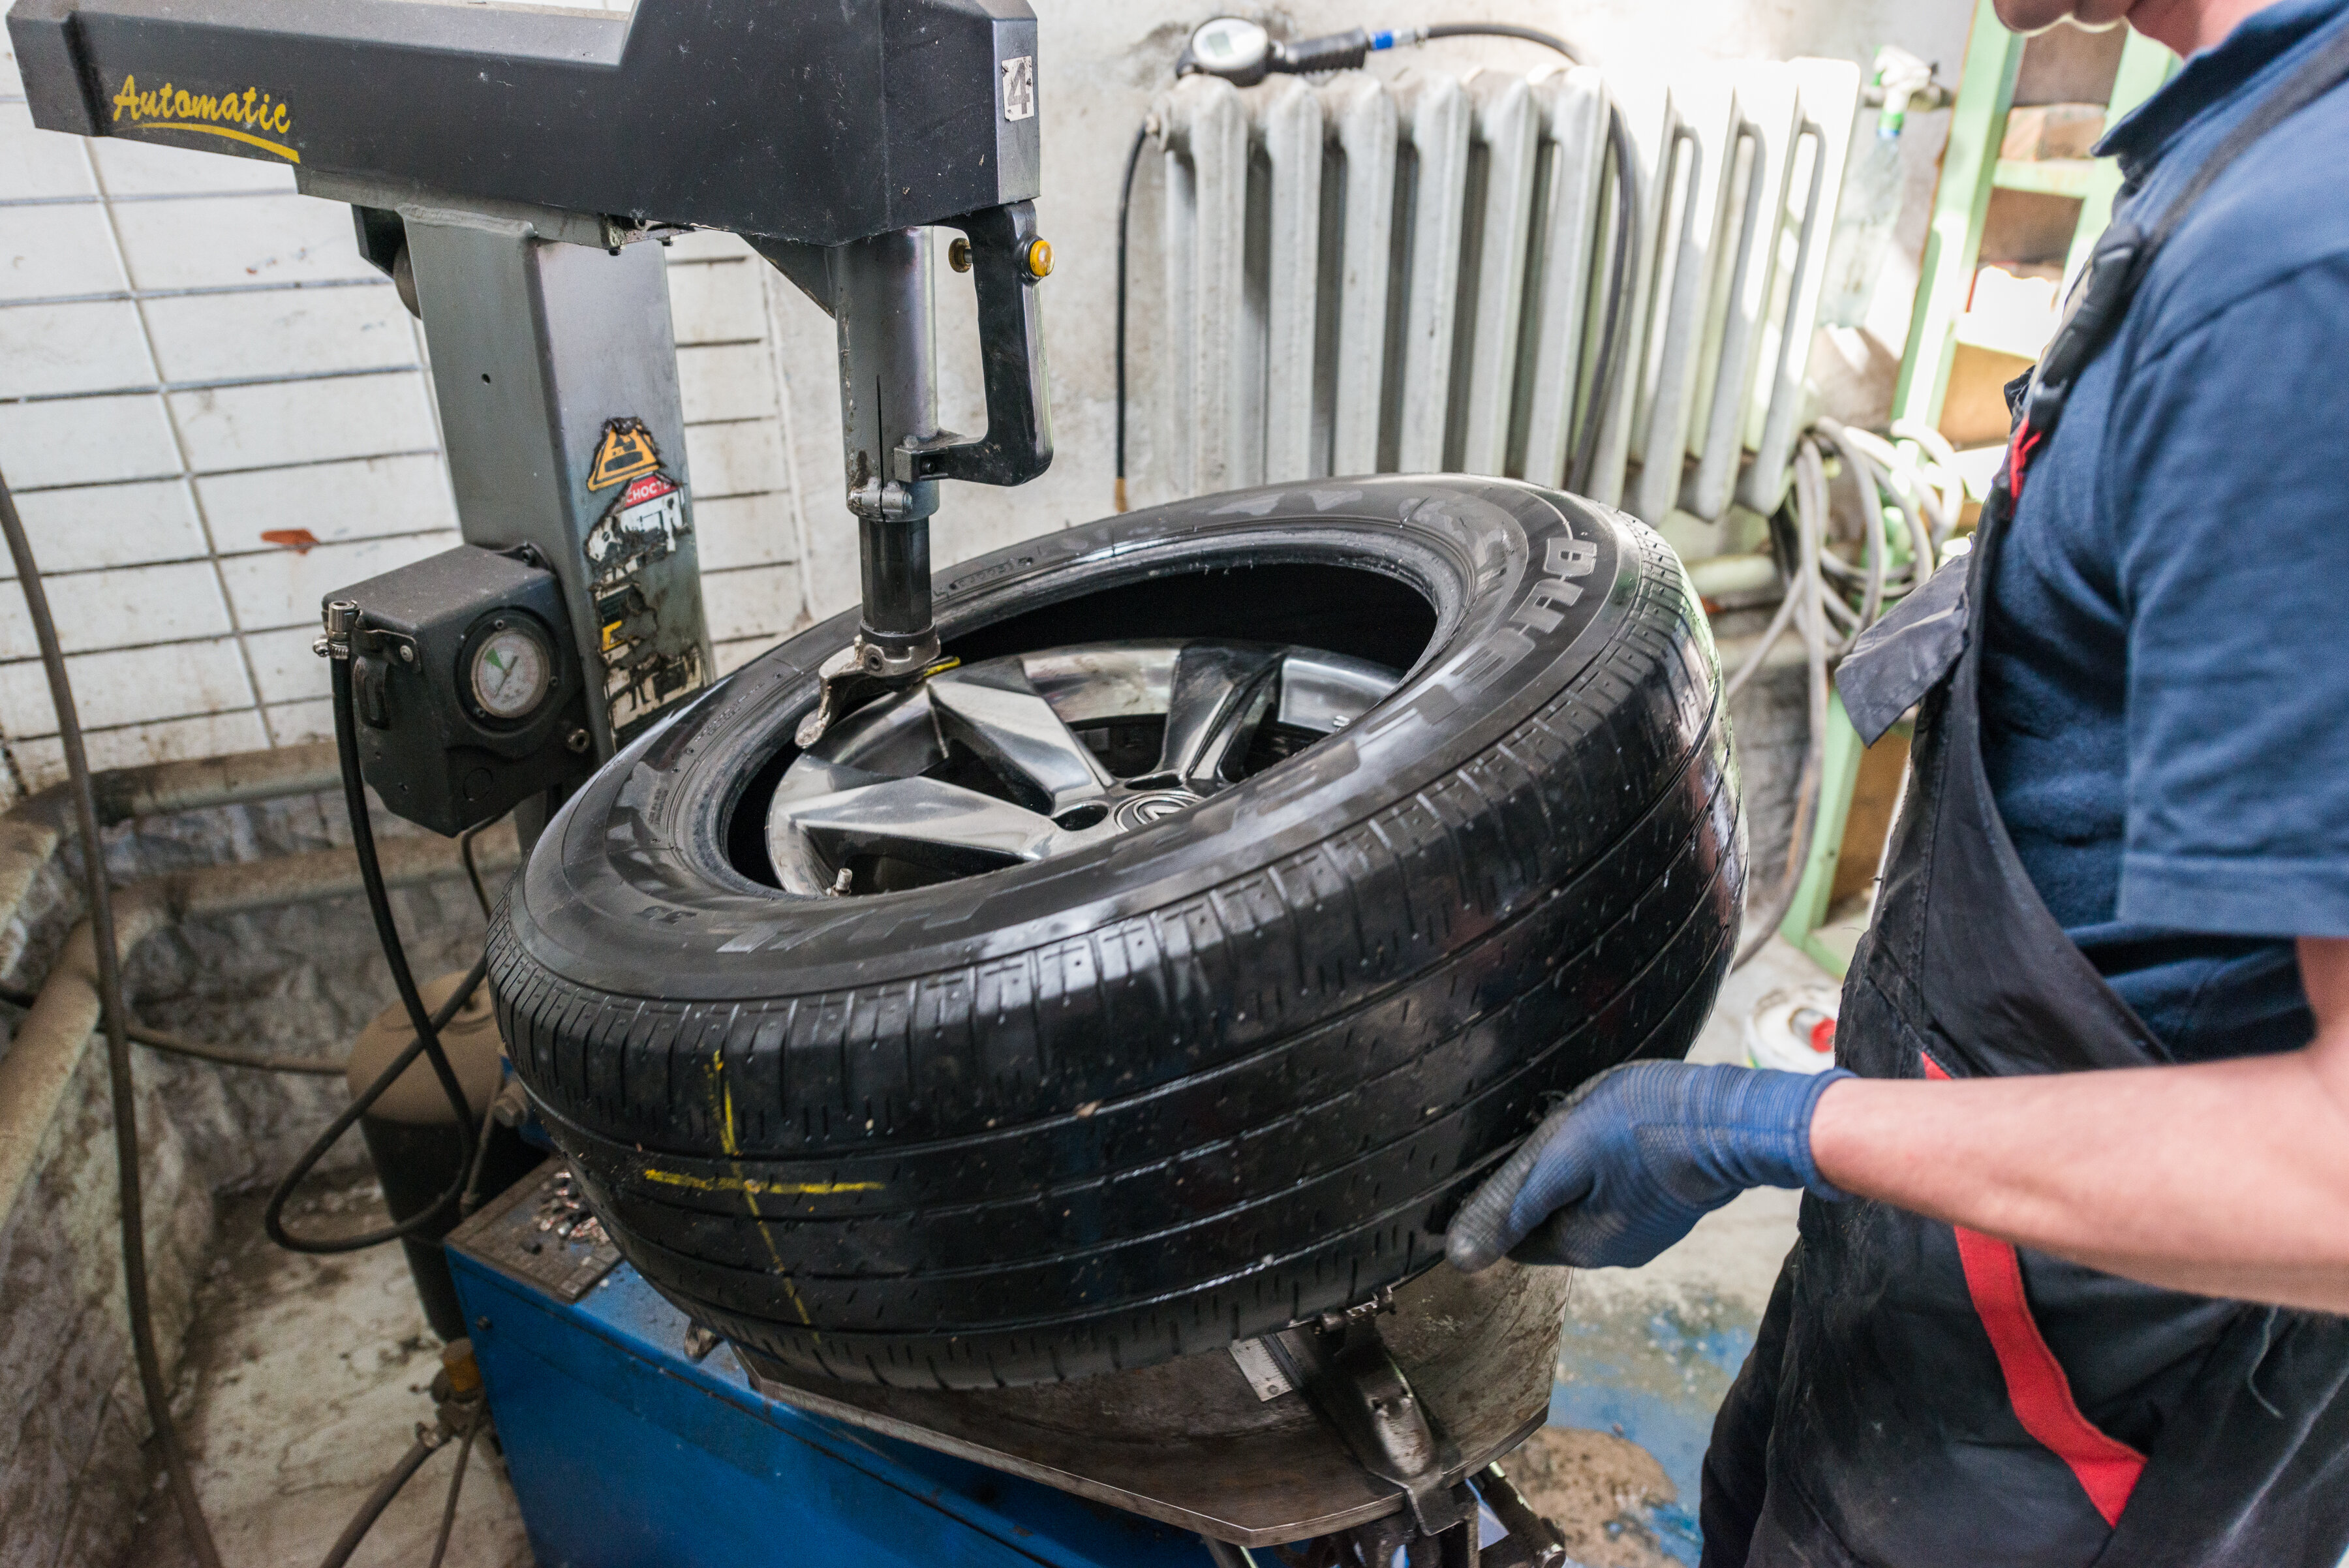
<point x="1017" y="733"/>
<point x="1221" y="694"/>
<point x="924" y="821"/>
<point x="977" y="769"/>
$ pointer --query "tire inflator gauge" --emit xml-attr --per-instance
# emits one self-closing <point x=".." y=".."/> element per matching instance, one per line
<point x="468" y="697"/>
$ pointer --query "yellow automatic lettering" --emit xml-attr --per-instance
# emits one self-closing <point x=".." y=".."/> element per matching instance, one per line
<point x="167" y="108"/>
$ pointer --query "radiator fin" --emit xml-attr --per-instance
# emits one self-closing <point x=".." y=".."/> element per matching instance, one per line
<point x="1411" y="274"/>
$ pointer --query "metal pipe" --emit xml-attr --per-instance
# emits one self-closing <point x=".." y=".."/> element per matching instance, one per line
<point x="30" y="830"/>
<point x="40" y="1063"/>
<point x="888" y="402"/>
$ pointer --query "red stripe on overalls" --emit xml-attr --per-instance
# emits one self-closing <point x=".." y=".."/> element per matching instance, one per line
<point x="2019" y="448"/>
<point x="2106" y="1468"/>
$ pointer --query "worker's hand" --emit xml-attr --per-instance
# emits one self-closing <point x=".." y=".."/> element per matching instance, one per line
<point x="1628" y="1165"/>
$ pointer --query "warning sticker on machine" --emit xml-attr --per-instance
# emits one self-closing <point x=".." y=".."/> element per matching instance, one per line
<point x="626" y="452"/>
<point x="643" y="523"/>
<point x="644" y="526"/>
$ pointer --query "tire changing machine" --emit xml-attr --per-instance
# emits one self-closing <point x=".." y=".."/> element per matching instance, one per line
<point x="506" y="168"/>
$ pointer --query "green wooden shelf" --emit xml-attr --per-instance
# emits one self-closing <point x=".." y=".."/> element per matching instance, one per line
<point x="2073" y="177"/>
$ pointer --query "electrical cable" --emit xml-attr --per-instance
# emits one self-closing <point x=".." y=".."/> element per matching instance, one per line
<point x="1871" y="517"/>
<point x="131" y="1206"/>
<point x="470" y="1198"/>
<point x="1615" y="328"/>
<point x="423" y="1448"/>
<point x="273" y="1217"/>
<point x="1498" y="30"/>
<point x="229" y="1057"/>
<point x="1941" y="476"/>
<point x="1615" y="320"/>
<point x="472" y="867"/>
<point x="456" y="1484"/>
<point x="1125" y="206"/>
<point x="378" y="897"/>
<point x="180" y="1045"/>
<point x="427" y="1024"/>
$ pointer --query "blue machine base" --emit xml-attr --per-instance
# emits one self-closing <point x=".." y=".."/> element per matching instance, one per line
<point x="625" y="1454"/>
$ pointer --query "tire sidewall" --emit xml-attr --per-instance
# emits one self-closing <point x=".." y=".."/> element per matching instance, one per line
<point x="1529" y="587"/>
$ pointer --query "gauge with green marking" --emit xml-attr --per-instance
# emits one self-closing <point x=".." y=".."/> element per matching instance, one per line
<point x="511" y="672"/>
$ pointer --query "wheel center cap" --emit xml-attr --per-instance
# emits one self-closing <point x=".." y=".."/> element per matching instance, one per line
<point x="1141" y="810"/>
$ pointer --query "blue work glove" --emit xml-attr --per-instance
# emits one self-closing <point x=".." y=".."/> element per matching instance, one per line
<point x="1628" y="1165"/>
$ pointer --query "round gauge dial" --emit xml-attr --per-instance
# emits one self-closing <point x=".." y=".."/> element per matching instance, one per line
<point x="1230" y="46"/>
<point x="511" y="672"/>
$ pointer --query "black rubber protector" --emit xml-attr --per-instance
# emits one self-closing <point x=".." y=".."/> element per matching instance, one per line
<point x="1226" y="1072"/>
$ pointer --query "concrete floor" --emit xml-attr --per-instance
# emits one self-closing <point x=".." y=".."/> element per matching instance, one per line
<point x="304" y="1383"/>
<point x="306" y="1376"/>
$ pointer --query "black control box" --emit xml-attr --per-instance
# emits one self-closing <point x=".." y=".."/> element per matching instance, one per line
<point x="466" y="686"/>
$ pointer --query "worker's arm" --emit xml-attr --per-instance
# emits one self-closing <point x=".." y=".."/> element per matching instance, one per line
<point x="2230" y="1178"/>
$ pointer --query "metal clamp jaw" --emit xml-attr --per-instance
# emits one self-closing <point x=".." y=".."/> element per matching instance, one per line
<point x="1344" y="1368"/>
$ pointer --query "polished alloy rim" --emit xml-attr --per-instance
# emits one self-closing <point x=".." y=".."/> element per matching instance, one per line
<point x="1026" y="757"/>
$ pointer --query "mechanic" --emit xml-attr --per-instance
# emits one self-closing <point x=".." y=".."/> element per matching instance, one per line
<point x="2077" y="1211"/>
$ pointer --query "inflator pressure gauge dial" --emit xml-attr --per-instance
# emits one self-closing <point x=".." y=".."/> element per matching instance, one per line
<point x="512" y="671"/>
<point x="1231" y="48"/>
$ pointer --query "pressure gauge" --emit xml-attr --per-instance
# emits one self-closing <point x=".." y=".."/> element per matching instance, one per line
<point x="1230" y="48"/>
<point x="510" y="668"/>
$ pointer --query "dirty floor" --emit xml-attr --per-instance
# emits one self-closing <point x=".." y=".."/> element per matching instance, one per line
<point x="303" y="1385"/>
<point x="306" y="1376"/>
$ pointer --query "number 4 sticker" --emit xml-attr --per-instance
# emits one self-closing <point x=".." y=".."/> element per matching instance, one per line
<point x="1020" y="87"/>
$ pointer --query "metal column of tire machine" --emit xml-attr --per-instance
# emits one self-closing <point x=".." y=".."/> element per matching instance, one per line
<point x="507" y="168"/>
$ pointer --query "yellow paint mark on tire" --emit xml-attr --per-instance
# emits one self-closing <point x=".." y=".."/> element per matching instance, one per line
<point x="752" y="1186"/>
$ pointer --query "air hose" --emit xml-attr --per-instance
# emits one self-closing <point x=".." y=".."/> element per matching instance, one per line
<point x="341" y="617"/>
<point x="1921" y="482"/>
<point x="132" y="1206"/>
<point x="1252" y="55"/>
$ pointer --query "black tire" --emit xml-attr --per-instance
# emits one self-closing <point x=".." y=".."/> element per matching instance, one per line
<point x="1227" y="1072"/>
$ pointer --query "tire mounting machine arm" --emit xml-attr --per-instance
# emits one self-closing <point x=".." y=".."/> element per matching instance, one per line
<point x="504" y="166"/>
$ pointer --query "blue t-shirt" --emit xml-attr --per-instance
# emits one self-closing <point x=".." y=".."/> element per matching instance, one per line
<point x="2165" y="705"/>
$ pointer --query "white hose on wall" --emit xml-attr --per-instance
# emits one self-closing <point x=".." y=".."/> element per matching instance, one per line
<point x="1830" y="601"/>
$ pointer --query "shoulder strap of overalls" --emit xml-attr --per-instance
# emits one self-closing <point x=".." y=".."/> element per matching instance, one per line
<point x="2125" y="254"/>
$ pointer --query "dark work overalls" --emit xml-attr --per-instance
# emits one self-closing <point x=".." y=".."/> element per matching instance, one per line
<point x="1920" y="1395"/>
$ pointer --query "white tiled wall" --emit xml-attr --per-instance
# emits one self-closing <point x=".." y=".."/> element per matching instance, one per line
<point x="193" y="356"/>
